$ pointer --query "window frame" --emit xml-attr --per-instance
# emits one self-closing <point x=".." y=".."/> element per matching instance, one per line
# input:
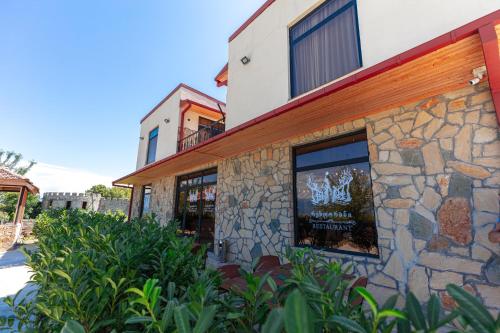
<point x="143" y="193"/>
<point x="344" y="139"/>
<point x="157" y="129"/>
<point x="352" y="3"/>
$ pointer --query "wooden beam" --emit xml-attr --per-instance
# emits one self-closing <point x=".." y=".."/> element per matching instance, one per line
<point x="21" y="205"/>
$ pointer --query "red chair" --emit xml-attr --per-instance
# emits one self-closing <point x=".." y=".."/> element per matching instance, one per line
<point x="229" y="271"/>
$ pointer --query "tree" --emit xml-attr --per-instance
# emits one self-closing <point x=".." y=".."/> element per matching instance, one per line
<point x="8" y="203"/>
<point x="11" y="159"/>
<point x="110" y="192"/>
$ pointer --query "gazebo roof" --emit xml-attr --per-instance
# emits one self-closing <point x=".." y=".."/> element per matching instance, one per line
<point x="12" y="182"/>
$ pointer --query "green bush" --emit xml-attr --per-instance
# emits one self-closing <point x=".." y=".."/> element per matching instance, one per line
<point x="96" y="273"/>
<point x="86" y="262"/>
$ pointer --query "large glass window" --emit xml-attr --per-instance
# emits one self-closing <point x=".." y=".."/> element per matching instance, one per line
<point x="152" y="143"/>
<point x="146" y="200"/>
<point x="195" y="205"/>
<point x="333" y="195"/>
<point x="324" y="46"/>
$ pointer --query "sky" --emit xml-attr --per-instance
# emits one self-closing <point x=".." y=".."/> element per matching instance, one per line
<point x="77" y="76"/>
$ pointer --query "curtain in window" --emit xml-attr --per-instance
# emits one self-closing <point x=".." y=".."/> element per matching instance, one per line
<point x="324" y="46"/>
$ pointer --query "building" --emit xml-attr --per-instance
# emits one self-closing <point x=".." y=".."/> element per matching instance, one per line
<point x="365" y="130"/>
<point x="87" y="201"/>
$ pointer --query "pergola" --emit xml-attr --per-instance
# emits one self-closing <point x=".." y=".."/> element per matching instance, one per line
<point x="12" y="182"/>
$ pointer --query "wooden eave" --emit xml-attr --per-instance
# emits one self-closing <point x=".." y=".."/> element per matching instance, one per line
<point x="438" y="66"/>
<point x="15" y="185"/>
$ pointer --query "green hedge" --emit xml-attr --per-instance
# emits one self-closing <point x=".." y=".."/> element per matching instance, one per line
<point x="96" y="273"/>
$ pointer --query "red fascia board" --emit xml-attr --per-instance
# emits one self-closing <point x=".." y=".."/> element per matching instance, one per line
<point x="190" y="102"/>
<point x="251" y="19"/>
<point x="185" y="86"/>
<point x="419" y="51"/>
<point x="491" y="51"/>
<point x="221" y="83"/>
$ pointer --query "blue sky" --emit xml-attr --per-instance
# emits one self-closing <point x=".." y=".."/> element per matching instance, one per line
<point x="77" y="76"/>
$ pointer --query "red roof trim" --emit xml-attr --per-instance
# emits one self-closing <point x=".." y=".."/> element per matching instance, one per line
<point x="251" y="19"/>
<point x="191" y="102"/>
<point x="185" y="86"/>
<point x="221" y="83"/>
<point x="419" y="51"/>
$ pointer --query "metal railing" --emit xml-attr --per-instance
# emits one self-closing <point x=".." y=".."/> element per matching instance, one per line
<point x="192" y="138"/>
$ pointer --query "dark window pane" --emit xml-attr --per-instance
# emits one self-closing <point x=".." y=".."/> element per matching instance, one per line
<point x="153" y="142"/>
<point x="333" y="154"/>
<point x="324" y="46"/>
<point x="146" y="200"/>
<point x="334" y="209"/>
<point x="211" y="178"/>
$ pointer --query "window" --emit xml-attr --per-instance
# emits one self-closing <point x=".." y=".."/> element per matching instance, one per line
<point x="51" y="202"/>
<point x="84" y="205"/>
<point x="324" y="46"/>
<point x="68" y="204"/>
<point x="146" y="200"/>
<point x="195" y="205"/>
<point x="333" y="196"/>
<point x="152" y="143"/>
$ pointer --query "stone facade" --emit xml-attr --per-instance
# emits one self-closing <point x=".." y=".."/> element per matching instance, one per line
<point x="435" y="172"/>
<point x="94" y="202"/>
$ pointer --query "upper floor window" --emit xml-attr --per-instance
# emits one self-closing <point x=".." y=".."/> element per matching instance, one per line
<point x="324" y="46"/>
<point x="152" y="143"/>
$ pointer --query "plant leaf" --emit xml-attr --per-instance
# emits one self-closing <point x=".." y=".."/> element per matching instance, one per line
<point x="181" y="317"/>
<point x="298" y="317"/>
<point x="348" y="324"/>
<point x="274" y="321"/>
<point x="369" y="299"/>
<point x="72" y="326"/>
<point x="415" y="314"/>
<point x="205" y="319"/>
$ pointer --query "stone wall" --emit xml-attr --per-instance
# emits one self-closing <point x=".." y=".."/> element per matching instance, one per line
<point x="435" y="172"/>
<point x="94" y="202"/>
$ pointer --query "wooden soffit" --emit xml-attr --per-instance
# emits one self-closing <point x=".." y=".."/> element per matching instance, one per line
<point x="442" y="70"/>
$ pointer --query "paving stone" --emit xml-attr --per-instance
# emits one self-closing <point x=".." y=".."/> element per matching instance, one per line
<point x="409" y="192"/>
<point x="432" y="128"/>
<point x="492" y="149"/>
<point x="439" y="110"/>
<point x="418" y="283"/>
<point x="422" y="119"/>
<point x="460" y="186"/>
<point x="430" y="199"/>
<point x="256" y="251"/>
<point x="443" y="262"/>
<point x="393" y="169"/>
<point x="485" y="134"/>
<point x="420" y="227"/>
<point x="489" y="294"/>
<point x="470" y="170"/>
<point x="447" y="131"/>
<point x="439" y="280"/>
<point x="454" y="219"/>
<point x="438" y="243"/>
<point x="492" y="270"/>
<point x="433" y="159"/>
<point x="486" y="200"/>
<point x="490" y="162"/>
<point x="412" y="157"/>
<point x="456" y="118"/>
<point x="463" y="144"/>
<point x="399" y="203"/>
<point x="457" y="105"/>
<point x="411" y="143"/>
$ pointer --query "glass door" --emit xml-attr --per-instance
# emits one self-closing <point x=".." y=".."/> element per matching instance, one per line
<point x="195" y="205"/>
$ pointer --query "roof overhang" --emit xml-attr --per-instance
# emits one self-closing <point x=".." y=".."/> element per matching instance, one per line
<point x="15" y="185"/>
<point x="222" y="77"/>
<point x="438" y="66"/>
<point x="187" y="104"/>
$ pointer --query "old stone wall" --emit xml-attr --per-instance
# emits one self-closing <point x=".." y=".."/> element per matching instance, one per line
<point x="113" y="205"/>
<point x="435" y="172"/>
<point x="94" y="202"/>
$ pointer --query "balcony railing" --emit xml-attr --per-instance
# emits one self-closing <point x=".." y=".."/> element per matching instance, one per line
<point x="192" y="138"/>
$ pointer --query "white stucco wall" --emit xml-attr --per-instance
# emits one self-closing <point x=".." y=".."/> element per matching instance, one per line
<point x="387" y="28"/>
<point x="167" y="133"/>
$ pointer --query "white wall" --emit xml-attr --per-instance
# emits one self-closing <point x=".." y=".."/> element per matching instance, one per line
<point x="387" y="28"/>
<point x="167" y="133"/>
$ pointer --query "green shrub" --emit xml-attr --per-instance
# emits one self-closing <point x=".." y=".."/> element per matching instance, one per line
<point x="96" y="273"/>
<point x="86" y="262"/>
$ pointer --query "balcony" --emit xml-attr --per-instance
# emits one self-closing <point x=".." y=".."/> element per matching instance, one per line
<point x="191" y="138"/>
